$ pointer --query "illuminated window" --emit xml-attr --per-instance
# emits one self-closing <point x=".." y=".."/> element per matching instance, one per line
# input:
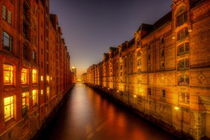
<point x="42" y="78"/>
<point x="34" y="97"/>
<point x="48" y="78"/>
<point x="48" y="92"/>
<point x="8" y="108"/>
<point x="8" y="74"/>
<point x="25" y="103"/>
<point x="24" y="76"/>
<point x="34" y="76"/>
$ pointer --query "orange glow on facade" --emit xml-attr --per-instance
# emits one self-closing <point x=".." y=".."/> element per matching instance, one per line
<point x="163" y="71"/>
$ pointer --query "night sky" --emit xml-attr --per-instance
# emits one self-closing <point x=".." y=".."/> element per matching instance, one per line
<point x="90" y="27"/>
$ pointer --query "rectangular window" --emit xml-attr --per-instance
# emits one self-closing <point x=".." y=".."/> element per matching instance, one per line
<point x="9" y="17"/>
<point x="24" y="76"/>
<point x="25" y="103"/>
<point x="4" y="12"/>
<point x="149" y="90"/>
<point x="8" y="108"/>
<point x="34" y="76"/>
<point x="164" y="93"/>
<point x="183" y="64"/>
<point x="7" y="41"/>
<point x="181" y="19"/>
<point x="184" y="98"/>
<point x="48" y="78"/>
<point x="34" y="97"/>
<point x="182" y="34"/>
<point x="48" y="92"/>
<point x="26" y="52"/>
<point x="34" y="56"/>
<point x="8" y="71"/>
<point x="183" y="49"/>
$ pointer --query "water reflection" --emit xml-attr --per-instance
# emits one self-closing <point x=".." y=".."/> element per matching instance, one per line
<point x="89" y="116"/>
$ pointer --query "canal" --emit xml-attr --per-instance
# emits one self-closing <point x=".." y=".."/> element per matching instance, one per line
<point x="88" y="116"/>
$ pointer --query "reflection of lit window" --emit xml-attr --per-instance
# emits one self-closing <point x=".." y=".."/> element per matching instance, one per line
<point x="8" y="108"/>
<point x="24" y="76"/>
<point x="34" y="76"/>
<point x="34" y="97"/>
<point x="8" y="74"/>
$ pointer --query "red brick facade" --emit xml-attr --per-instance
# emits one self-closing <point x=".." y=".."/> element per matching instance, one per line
<point x="34" y="66"/>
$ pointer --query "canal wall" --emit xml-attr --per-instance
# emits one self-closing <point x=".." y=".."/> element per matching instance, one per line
<point x="142" y="108"/>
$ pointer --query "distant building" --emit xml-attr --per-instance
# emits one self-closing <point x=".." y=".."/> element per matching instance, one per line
<point x="164" y="70"/>
<point x="74" y="72"/>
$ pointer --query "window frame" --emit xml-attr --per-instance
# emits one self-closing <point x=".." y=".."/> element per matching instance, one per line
<point x="7" y="41"/>
<point x="11" y="74"/>
<point x="11" y="105"/>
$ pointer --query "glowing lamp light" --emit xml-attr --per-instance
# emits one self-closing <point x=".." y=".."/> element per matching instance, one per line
<point x="173" y="37"/>
<point x="134" y="96"/>
<point x="176" y="108"/>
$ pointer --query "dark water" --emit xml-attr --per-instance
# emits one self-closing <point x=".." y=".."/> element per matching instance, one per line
<point x="87" y="115"/>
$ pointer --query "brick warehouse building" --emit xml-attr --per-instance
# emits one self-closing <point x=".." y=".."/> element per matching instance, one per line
<point x="164" y="71"/>
<point x="34" y="67"/>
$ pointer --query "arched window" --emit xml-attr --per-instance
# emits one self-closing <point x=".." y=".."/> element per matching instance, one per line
<point x="181" y="16"/>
